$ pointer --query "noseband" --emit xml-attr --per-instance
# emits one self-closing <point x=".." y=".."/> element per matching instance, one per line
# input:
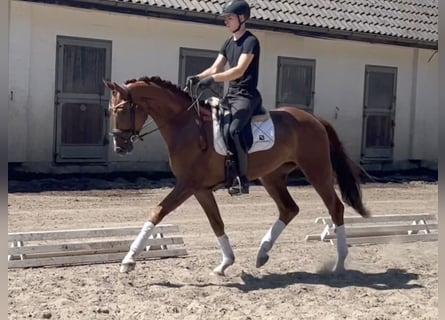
<point x="130" y="134"/>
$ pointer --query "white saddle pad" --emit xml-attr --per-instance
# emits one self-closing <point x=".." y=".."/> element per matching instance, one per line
<point x="263" y="135"/>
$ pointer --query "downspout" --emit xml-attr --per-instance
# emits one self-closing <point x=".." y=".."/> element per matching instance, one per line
<point x="412" y="122"/>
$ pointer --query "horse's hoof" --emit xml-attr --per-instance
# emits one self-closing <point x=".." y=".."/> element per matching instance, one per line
<point x="338" y="270"/>
<point x="339" y="267"/>
<point x="127" y="267"/>
<point x="218" y="271"/>
<point x="261" y="260"/>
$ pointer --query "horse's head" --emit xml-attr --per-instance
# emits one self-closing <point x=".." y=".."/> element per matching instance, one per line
<point x="128" y="116"/>
<point x="132" y="103"/>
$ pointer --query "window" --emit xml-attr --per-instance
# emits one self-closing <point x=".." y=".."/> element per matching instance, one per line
<point x="193" y="61"/>
<point x="296" y="80"/>
<point x="84" y="67"/>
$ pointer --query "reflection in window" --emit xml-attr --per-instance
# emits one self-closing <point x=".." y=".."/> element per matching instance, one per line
<point x="296" y="82"/>
<point x="194" y="61"/>
<point x="378" y="131"/>
<point x="83" y="69"/>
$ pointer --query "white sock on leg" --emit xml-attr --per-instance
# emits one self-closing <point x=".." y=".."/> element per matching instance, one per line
<point x="271" y="236"/>
<point x="139" y="243"/>
<point x="267" y="242"/>
<point x="226" y="248"/>
<point x="227" y="254"/>
<point x="342" y="248"/>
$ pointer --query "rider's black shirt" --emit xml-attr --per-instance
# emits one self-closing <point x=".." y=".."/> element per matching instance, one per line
<point x="232" y="50"/>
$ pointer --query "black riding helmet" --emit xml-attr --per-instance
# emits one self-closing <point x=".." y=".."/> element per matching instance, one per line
<point x="238" y="7"/>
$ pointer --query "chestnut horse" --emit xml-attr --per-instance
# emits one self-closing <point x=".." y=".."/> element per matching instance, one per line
<point x="302" y="141"/>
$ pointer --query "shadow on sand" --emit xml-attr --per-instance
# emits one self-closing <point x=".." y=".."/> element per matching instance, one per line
<point x="392" y="279"/>
<point x="389" y="280"/>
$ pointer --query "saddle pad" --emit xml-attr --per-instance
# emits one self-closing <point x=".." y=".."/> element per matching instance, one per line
<point x="263" y="133"/>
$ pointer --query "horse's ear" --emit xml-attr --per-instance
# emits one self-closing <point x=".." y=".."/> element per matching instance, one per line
<point x="108" y="84"/>
<point x="122" y="91"/>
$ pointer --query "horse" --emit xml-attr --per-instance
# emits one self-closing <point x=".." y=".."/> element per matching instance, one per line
<point x="302" y="141"/>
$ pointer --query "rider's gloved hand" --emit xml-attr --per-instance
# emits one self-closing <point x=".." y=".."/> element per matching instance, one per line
<point x="192" y="79"/>
<point x="206" y="82"/>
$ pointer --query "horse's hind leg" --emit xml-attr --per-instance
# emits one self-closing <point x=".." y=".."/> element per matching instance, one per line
<point x="175" y="198"/>
<point x="207" y="201"/>
<point x="321" y="178"/>
<point x="276" y="185"/>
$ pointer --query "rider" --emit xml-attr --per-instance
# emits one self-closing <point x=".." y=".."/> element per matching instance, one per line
<point x="242" y="52"/>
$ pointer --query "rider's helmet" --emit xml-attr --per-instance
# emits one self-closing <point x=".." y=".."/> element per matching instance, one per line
<point x="238" y="7"/>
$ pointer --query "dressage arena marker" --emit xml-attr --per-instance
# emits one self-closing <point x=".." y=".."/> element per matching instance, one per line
<point x="87" y="246"/>
<point x="381" y="229"/>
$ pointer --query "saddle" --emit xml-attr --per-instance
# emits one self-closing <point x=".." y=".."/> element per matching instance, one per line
<point x="258" y="136"/>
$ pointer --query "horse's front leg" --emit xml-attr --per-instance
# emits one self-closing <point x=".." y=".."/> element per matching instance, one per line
<point x="207" y="201"/>
<point x="175" y="198"/>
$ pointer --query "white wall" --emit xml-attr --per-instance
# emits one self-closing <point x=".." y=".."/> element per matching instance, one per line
<point x="140" y="46"/>
<point x="339" y="82"/>
<point x="149" y="46"/>
<point x="19" y="74"/>
<point x="426" y="133"/>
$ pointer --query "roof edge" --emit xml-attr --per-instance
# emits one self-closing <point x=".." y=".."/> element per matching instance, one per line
<point x="208" y="18"/>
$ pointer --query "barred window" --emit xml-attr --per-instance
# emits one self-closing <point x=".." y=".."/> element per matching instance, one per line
<point x="296" y="80"/>
<point x="194" y="61"/>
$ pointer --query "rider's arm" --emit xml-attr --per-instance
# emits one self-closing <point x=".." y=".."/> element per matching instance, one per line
<point x="216" y="67"/>
<point x="237" y="71"/>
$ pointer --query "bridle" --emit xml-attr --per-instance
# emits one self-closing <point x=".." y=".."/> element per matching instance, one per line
<point x="131" y="135"/>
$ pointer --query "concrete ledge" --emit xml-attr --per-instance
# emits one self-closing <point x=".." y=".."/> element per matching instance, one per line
<point x="399" y="165"/>
<point x="74" y="168"/>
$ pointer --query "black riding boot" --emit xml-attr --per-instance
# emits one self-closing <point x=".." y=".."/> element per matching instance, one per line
<point x="240" y="184"/>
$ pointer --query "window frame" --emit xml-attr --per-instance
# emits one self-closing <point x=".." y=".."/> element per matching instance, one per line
<point x="296" y="62"/>
<point x="377" y="153"/>
<point x="79" y="152"/>
<point x="193" y="52"/>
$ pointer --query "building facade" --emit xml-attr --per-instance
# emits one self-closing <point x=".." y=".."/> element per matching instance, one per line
<point x="381" y="94"/>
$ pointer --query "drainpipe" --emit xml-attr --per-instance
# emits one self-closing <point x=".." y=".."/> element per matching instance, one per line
<point x="412" y="122"/>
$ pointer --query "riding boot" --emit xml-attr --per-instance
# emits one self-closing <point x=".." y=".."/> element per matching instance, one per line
<point x="240" y="184"/>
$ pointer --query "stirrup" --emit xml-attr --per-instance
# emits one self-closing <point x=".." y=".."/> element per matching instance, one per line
<point x="239" y="188"/>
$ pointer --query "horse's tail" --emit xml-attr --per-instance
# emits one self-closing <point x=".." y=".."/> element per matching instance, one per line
<point x="347" y="172"/>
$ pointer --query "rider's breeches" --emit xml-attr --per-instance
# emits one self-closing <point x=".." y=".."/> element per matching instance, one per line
<point x="242" y="109"/>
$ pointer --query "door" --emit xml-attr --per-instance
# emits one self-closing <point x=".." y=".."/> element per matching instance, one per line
<point x="81" y="101"/>
<point x="379" y="113"/>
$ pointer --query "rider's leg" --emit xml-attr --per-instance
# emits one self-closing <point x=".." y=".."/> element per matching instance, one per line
<point x="242" y="109"/>
<point x="242" y="184"/>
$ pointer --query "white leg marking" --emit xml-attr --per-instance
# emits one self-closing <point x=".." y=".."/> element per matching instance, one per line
<point x="129" y="263"/>
<point x="268" y="241"/>
<point x="342" y="249"/>
<point x="228" y="258"/>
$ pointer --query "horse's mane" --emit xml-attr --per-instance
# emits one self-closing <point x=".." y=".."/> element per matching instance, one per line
<point x="163" y="83"/>
<point x="170" y="86"/>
